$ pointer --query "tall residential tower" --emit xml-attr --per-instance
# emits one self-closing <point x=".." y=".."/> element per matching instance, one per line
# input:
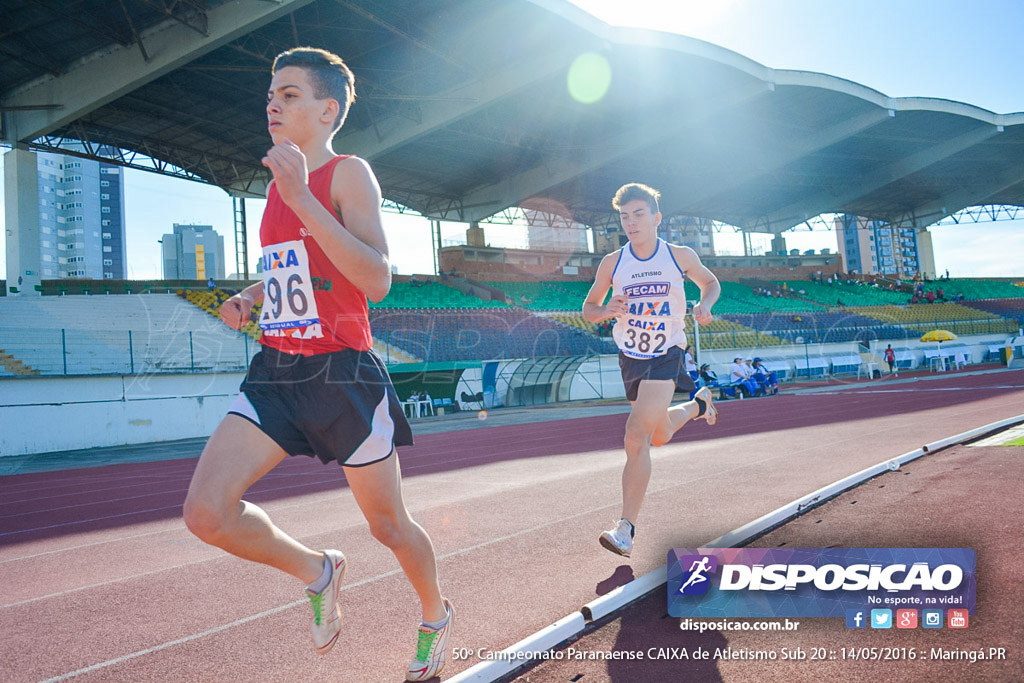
<point x="70" y="217"/>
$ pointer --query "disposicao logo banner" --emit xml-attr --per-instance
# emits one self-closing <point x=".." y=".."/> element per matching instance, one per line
<point x="816" y="582"/>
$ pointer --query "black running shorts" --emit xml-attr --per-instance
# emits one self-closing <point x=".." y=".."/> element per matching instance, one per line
<point x="336" y="406"/>
<point x="670" y="366"/>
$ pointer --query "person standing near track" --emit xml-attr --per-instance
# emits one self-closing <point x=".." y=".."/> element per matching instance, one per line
<point x="648" y="305"/>
<point x="317" y="388"/>
<point x="890" y="359"/>
<point x="690" y="364"/>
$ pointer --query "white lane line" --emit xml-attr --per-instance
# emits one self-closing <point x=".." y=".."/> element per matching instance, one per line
<point x="86" y="521"/>
<point x="172" y="643"/>
<point x="405" y="469"/>
<point x="271" y="507"/>
<point x="94" y="503"/>
<point x="913" y="390"/>
<point x="87" y="545"/>
<point x="66" y="477"/>
<point x="99" y="585"/>
<point x="118" y="539"/>
<point x="136" y="512"/>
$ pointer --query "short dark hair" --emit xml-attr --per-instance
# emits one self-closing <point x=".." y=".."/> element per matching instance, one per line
<point x="631" y="191"/>
<point x="330" y="76"/>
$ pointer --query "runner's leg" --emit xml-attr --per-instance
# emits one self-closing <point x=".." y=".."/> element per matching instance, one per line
<point x="378" y="491"/>
<point x="675" y="417"/>
<point x="236" y="456"/>
<point x="652" y="401"/>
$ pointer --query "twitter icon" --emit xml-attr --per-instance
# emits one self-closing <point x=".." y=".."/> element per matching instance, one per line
<point x="881" y="618"/>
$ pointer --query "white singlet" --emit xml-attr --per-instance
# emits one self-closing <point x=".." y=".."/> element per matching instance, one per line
<point x="656" y="303"/>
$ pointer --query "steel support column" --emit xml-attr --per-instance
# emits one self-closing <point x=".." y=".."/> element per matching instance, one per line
<point x="241" y="241"/>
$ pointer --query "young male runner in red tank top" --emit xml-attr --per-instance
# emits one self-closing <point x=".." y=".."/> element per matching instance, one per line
<point x="317" y="388"/>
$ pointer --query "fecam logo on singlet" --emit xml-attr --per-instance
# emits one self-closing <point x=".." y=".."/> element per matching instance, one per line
<point x="646" y="289"/>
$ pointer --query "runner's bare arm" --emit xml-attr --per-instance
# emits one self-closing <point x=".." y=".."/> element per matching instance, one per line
<point x="355" y="245"/>
<point x="254" y="293"/>
<point x="356" y="196"/>
<point x="710" y="289"/>
<point x="594" y="309"/>
<point x="237" y="310"/>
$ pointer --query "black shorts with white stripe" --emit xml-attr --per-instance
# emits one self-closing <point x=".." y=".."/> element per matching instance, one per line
<point x="339" y="406"/>
<point x="672" y="366"/>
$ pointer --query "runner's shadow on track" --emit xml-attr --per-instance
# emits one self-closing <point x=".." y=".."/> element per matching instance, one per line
<point x="651" y="644"/>
<point x="622" y="575"/>
<point x="645" y="627"/>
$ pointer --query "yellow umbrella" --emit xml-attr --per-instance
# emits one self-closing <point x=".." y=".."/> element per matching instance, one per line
<point x="938" y="336"/>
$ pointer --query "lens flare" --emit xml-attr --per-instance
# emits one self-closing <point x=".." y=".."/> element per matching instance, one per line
<point x="590" y="76"/>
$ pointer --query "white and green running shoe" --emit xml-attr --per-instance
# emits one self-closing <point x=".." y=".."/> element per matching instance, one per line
<point x="431" y="649"/>
<point x="326" y="612"/>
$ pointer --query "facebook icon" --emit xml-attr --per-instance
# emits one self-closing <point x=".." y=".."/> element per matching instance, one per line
<point x="856" y="618"/>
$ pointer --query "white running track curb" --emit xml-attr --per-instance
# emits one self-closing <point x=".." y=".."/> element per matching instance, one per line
<point x="515" y="656"/>
<point x="790" y="510"/>
<point x="967" y="436"/>
<point x="623" y="595"/>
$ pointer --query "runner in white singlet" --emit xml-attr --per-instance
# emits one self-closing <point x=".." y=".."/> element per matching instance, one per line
<point x="648" y="304"/>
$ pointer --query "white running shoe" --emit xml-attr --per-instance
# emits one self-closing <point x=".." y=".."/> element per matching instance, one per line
<point x="620" y="539"/>
<point x="326" y="612"/>
<point x="711" y="413"/>
<point x="431" y="649"/>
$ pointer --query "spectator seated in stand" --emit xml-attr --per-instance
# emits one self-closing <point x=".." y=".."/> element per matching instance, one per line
<point x="708" y="378"/>
<point x="765" y="378"/>
<point x="750" y="386"/>
<point x="740" y="378"/>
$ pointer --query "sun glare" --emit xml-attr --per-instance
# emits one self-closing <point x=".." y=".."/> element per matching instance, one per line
<point x="687" y="17"/>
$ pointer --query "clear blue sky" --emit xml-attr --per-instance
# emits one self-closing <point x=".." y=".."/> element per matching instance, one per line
<point x="965" y="51"/>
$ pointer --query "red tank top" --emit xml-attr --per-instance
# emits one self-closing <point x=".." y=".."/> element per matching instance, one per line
<point x="309" y="307"/>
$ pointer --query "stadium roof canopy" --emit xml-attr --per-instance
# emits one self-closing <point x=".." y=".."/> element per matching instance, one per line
<point x="463" y="110"/>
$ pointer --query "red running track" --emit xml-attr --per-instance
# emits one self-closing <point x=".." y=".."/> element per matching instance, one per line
<point x="99" y="579"/>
